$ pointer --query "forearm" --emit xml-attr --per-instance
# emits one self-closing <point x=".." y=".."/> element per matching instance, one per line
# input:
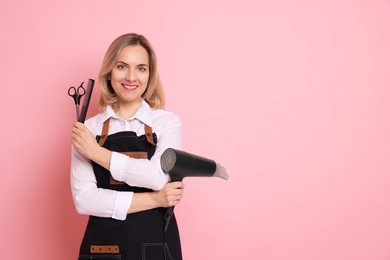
<point x="142" y="201"/>
<point x="169" y="196"/>
<point x="102" y="156"/>
<point x="138" y="172"/>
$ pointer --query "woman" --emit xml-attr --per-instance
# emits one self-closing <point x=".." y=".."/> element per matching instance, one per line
<point x="116" y="176"/>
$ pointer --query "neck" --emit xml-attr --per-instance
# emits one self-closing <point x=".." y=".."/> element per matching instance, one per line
<point x="126" y="110"/>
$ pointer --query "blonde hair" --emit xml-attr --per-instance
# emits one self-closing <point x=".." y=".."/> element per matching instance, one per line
<point x="153" y="95"/>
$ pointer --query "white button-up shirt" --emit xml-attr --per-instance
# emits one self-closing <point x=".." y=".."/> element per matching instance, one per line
<point x="91" y="200"/>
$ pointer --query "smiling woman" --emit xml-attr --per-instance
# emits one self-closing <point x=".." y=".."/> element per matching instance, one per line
<point x="129" y="79"/>
<point x="116" y="176"/>
<point x="132" y="55"/>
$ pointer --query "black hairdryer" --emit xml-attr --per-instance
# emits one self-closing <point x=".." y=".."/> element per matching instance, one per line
<point x="179" y="164"/>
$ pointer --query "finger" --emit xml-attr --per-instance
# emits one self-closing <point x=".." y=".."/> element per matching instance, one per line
<point x="80" y="130"/>
<point x="76" y="133"/>
<point x="75" y="139"/>
<point x="79" y="125"/>
<point x="177" y="198"/>
<point x="75" y="128"/>
<point x="175" y="194"/>
<point x="174" y="200"/>
<point x="177" y="185"/>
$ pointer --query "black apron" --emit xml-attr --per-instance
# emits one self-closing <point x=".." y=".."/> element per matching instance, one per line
<point x="141" y="235"/>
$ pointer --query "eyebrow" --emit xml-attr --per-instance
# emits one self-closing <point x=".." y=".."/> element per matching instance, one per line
<point x="141" y="65"/>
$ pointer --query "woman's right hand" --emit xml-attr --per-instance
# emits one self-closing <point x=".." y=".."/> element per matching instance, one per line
<point x="170" y="195"/>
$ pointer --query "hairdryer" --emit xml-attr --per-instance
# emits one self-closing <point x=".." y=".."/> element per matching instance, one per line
<point x="179" y="164"/>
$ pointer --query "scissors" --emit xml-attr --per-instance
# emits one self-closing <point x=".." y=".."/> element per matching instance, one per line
<point x="76" y="94"/>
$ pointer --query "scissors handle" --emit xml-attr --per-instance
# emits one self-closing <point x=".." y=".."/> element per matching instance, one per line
<point x="81" y="90"/>
<point x="72" y="91"/>
<point x="76" y="94"/>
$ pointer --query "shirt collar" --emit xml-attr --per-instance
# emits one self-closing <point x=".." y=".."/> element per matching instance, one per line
<point x="143" y="114"/>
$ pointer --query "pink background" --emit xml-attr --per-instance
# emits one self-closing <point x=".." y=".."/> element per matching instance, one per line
<point x="293" y="97"/>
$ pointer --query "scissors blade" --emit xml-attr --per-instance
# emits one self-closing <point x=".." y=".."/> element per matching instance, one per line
<point x="77" y="112"/>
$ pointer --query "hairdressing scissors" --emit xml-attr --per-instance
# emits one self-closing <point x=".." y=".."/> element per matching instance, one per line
<point x="76" y="94"/>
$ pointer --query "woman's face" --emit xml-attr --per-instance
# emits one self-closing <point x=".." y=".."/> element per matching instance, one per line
<point x="129" y="77"/>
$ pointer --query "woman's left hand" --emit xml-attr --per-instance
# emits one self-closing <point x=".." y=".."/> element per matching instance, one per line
<point x="84" y="141"/>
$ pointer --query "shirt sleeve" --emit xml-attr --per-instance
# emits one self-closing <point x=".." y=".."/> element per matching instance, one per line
<point x="148" y="173"/>
<point x="91" y="200"/>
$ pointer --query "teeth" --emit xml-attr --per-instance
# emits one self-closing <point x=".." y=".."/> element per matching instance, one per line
<point x="130" y="87"/>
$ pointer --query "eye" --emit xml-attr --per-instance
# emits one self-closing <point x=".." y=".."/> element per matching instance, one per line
<point x="142" y="69"/>
<point x="121" y="67"/>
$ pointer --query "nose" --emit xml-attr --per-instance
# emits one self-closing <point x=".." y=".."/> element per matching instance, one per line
<point x="130" y="75"/>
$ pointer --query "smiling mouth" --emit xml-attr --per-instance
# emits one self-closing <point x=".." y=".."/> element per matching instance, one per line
<point x="129" y="87"/>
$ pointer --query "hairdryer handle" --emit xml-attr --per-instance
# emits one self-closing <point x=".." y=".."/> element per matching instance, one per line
<point x="169" y="212"/>
<point x="168" y="216"/>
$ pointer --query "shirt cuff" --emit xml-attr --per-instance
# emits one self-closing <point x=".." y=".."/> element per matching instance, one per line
<point x="122" y="205"/>
<point x="117" y="163"/>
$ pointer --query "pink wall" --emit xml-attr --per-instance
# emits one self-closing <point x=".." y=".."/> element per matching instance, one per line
<point x="293" y="97"/>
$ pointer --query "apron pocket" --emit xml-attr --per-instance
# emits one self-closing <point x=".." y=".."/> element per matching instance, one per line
<point x="156" y="251"/>
<point x="100" y="257"/>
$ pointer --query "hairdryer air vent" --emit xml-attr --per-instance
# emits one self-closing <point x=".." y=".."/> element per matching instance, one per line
<point x="169" y="159"/>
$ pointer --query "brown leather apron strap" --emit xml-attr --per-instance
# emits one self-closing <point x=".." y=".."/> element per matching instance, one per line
<point x="149" y="134"/>
<point x="106" y="125"/>
<point x="104" y="134"/>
